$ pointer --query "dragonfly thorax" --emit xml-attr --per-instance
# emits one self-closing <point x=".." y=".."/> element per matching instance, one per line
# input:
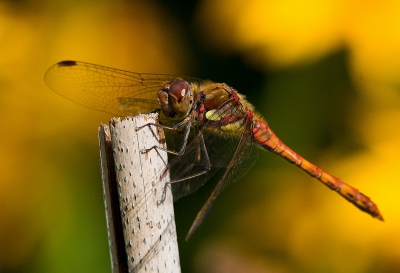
<point x="175" y="99"/>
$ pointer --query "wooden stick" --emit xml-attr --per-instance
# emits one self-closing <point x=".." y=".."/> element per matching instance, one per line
<point x="142" y="234"/>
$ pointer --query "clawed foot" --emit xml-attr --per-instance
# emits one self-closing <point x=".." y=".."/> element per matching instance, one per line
<point x="141" y="127"/>
<point x="164" y="195"/>
<point x="145" y="151"/>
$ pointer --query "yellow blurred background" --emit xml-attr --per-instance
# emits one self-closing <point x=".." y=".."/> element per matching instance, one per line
<point x="325" y="74"/>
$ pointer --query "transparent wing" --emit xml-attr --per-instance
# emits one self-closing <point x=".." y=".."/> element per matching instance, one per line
<point x="106" y="89"/>
<point x="221" y="148"/>
<point x="195" y="161"/>
<point x="243" y="159"/>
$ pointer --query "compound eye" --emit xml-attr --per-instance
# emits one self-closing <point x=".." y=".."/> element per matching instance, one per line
<point x="178" y="89"/>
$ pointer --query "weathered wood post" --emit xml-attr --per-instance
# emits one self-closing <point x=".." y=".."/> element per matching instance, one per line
<point x="142" y="234"/>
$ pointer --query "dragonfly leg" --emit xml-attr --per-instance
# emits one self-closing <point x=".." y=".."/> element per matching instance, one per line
<point x="186" y="122"/>
<point x="207" y="167"/>
<point x="164" y="195"/>
<point x="173" y="128"/>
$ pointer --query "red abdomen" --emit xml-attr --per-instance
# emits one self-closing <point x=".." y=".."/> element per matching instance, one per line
<point x="267" y="139"/>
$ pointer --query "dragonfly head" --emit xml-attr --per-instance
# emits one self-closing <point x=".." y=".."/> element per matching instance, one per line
<point x="176" y="98"/>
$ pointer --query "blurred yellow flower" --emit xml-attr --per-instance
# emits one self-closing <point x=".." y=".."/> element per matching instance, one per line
<point x="283" y="33"/>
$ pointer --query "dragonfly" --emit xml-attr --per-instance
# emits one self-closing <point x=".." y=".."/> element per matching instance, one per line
<point x="218" y="127"/>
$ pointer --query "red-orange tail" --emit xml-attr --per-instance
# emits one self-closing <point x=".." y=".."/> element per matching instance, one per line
<point x="267" y="139"/>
